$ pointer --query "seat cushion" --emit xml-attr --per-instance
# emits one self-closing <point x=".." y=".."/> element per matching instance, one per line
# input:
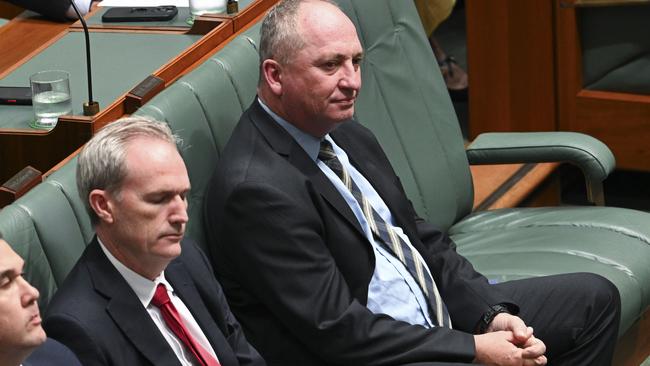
<point x="510" y="244"/>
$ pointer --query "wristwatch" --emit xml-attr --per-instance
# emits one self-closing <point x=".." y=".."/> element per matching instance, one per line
<point x="489" y="315"/>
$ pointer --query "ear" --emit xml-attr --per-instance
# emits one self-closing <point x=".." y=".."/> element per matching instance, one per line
<point x="101" y="202"/>
<point x="272" y="73"/>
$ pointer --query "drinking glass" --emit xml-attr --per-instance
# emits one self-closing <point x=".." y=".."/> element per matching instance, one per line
<point x="50" y="97"/>
<point x="199" y="7"/>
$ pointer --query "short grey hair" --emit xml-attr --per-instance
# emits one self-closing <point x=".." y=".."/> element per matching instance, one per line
<point x="101" y="163"/>
<point x="280" y="37"/>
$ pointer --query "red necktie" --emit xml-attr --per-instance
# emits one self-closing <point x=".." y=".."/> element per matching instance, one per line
<point x="170" y="314"/>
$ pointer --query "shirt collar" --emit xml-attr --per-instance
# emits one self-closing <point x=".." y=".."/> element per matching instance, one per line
<point x="309" y="143"/>
<point x="143" y="287"/>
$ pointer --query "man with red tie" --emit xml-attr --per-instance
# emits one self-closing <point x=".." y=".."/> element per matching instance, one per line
<point x="141" y="294"/>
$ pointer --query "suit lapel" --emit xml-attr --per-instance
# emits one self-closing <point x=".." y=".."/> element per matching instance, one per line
<point x="127" y="311"/>
<point x="282" y="142"/>
<point x="187" y="291"/>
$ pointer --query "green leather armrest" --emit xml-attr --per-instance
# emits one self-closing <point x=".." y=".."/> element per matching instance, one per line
<point x="593" y="157"/>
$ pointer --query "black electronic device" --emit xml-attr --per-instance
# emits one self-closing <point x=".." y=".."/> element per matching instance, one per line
<point x="140" y="14"/>
<point x="16" y="95"/>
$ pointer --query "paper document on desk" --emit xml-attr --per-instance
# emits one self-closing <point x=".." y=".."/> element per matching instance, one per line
<point x="132" y="3"/>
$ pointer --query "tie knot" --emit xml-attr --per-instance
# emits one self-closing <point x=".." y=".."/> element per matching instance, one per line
<point x="326" y="152"/>
<point x="160" y="297"/>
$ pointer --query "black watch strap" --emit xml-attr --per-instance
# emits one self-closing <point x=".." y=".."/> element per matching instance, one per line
<point x="489" y="315"/>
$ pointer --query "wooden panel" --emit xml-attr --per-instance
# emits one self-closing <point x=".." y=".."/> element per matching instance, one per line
<point x="620" y="120"/>
<point x="511" y="65"/>
<point x="634" y="346"/>
<point x="40" y="149"/>
<point x="569" y="70"/>
<point x="508" y="185"/>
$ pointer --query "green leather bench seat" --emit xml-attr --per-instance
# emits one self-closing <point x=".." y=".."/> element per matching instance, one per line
<point x="516" y="243"/>
<point x="616" y="48"/>
<point x="404" y="101"/>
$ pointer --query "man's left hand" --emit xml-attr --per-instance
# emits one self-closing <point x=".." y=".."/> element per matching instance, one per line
<point x="523" y="336"/>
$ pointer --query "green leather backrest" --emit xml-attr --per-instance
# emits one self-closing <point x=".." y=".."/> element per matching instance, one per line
<point x="19" y="231"/>
<point x="615" y="48"/>
<point x="202" y="108"/>
<point x="404" y="101"/>
<point x="49" y="228"/>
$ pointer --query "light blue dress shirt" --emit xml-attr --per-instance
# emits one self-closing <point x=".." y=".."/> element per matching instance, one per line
<point x="392" y="290"/>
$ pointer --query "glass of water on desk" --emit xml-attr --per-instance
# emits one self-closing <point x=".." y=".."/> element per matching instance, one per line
<point x="50" y="97"/>
<point x="200" y="7"/>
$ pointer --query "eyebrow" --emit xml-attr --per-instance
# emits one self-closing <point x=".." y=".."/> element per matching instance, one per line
<point x="8" y="272"/>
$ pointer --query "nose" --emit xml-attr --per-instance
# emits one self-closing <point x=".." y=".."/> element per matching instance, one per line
<point x="350" y="76"/>
<point x="179" y="210"/>
<point x="28" y="293"/>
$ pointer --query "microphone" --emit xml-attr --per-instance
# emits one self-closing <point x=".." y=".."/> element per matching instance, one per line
<point x="92" y="107"/>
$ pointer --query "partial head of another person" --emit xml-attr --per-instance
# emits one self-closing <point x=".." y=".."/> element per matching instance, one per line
<point x="20" y="319"/>
<point x="135" y="185"/>
<point x="310" y="58"/>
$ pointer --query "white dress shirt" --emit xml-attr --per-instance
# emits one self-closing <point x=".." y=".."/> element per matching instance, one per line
<point x="145" y="289"/>
<point x="82" y="5"/>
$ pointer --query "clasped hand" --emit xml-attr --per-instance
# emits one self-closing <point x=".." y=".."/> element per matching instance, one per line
<point x="508" y="341"/>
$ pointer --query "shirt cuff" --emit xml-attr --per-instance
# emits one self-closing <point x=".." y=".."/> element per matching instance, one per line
<point x="82" y="5"/>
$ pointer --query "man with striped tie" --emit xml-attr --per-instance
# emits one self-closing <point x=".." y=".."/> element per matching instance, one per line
<point x="321" y="255"/>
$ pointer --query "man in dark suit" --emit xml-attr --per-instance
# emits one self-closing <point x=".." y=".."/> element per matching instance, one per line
<point x="55" y="9"/>
<point x="22" y="339"/>
<point x="141" y="294"/>
<point x="322" y="256"/>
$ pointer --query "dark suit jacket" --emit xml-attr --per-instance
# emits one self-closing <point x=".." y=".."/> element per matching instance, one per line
<point x="54" y="9"/>
<point x="52" y="353"/>
<point x="97" y="314"/>
<point x="296" y="265"/>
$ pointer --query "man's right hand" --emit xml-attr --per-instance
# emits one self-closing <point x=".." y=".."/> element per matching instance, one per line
<point x="498" y="349"/>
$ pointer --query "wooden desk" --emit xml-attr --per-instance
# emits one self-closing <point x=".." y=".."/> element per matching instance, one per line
<point x="24" y="36"/>
<point x="44" y="149"/>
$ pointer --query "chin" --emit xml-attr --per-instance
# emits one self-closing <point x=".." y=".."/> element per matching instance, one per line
<point x="172" y="249"/>
<point x="36" y="337"/>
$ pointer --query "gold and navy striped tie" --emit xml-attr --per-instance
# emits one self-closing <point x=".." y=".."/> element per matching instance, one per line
<point x="389" y="238"/>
